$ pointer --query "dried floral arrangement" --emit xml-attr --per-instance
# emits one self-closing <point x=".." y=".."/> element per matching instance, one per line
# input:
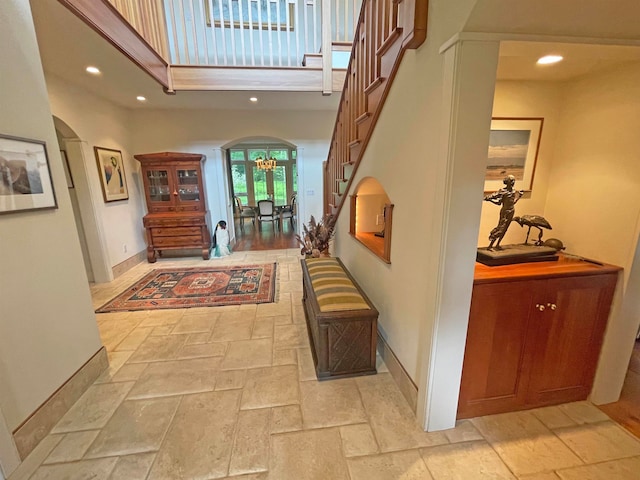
<point x="315" y="241"/>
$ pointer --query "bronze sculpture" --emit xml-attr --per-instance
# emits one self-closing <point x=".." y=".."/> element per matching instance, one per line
<point x="507" y="197"/>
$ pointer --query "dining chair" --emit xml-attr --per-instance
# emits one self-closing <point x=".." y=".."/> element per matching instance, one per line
<point x="243" y="212"/>
<point x="289" y="211"/>
<point x="267" y="213"/>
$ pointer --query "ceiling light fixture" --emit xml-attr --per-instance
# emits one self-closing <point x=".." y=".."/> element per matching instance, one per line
<point x="549" y="59"/>
<point x="140" y="98"/>
<point x="93" y="70"/>
<point x="254" y="99"/>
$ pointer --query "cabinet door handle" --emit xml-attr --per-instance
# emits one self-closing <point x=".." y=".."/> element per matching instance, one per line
<point x="552" y="306"/>
<point x="540" y="307"/>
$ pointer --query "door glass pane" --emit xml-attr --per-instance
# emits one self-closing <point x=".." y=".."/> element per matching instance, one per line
<point x="279" y="154"/>
<point x="188" y="185"/>
<point x="237" y="155"/>
<point x="159" y="185"/>
<point x="259" y="184"/>
<point x="280" y="185"/>
<point x="239" y="177"/>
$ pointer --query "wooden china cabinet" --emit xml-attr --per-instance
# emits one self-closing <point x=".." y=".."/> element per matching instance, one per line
<point x="174" y="189"/>
<point x="535" y="333"/>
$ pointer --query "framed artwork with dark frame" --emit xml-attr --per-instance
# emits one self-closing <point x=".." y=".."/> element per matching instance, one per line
<point x="112" y="174"/>
<point x="25" y="175"/>
<point x="513" y="150"/>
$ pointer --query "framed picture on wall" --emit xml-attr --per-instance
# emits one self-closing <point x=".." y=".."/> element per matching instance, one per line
<point x="112" y="175"/>
<point x="513" y="150"/>
<point x="25" y="176"/>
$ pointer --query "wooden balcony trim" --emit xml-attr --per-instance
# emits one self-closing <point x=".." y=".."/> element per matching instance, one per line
<point x="104" y="19"/>
<point x="227" y="78"/>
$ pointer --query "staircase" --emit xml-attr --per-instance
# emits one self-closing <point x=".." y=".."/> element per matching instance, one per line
<point x="385" y="30"/>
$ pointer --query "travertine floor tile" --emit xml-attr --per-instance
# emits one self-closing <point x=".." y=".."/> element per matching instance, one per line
<point x="583" y="412"/>
<point x="625" y="469"/>
<point x="250" y="452"/>
<point x="399" y="465"/>
<point x="155" y="349"/>
<point x="307" y="455"/>
<point x="248" y="354"/>
<point x="99" y="469"/>
<point x="286" y="419"/>
<point x="176" y="378"/>
<point x="136" y="427"/>
<point x="270" y="387"/>
<point x="468" y="460"/>
<point x="290" y="336"/>
<point x="600" y="442"/>
<point x="133" y="467"/>
<point x="330" y="404"/>
<point x="198" y="444"/>
<point x="553" y="417"/>
<point x="392" y="421"/>
<point x="195" y="324"/>
<point x="215" y="349"/>
<point x="358" y="440"/>
<point x="464" y="431"/>
<point x="94" y="408"/>
<point x="524" y="443"/>
<point x="72" y="447"/>
<point x="232" y="330"/>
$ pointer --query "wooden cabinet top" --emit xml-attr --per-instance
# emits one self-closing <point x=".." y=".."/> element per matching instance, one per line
<point x="169" y="157"/>
<point x="565" y="266"/>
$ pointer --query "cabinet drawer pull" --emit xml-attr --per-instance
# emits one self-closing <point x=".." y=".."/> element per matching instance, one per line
<point x="540" y="307"/>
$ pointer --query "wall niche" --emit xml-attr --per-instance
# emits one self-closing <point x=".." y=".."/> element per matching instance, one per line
<point x="371" y="215"/>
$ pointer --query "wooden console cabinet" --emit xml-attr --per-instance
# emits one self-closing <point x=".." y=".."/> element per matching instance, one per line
<point x="174" y="189"/>
<point x="534" y="336"/>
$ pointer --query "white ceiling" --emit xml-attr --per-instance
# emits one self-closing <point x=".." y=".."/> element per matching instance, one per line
<point x="68" y="46"/>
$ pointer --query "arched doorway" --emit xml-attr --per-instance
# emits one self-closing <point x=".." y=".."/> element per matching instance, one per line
<point x="262" y="168"/>
<point x="74" y="159"/>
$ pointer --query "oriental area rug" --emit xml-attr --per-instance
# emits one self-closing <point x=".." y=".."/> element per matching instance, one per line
<point x="197" y="287"/>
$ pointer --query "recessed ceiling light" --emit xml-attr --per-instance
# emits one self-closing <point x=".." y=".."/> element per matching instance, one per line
<point x="140" y="98"/>
<point x="549" y="59"/>
<point x="254" y="99"/>
<point x="93" y="70"/>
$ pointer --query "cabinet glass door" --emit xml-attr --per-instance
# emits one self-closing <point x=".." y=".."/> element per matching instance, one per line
<point x="188" y="185"/>
<point x="158" y="181"/>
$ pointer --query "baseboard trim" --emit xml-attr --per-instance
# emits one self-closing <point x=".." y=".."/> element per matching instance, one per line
<point x="129" y="263"/>
<point x="37" y="426"/>
<point x="399" y="374"/>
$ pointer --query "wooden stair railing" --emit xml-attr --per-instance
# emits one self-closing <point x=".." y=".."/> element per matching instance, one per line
<point x="385" y="30"/>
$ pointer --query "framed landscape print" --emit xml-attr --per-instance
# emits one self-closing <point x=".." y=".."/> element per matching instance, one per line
<point x="513" y="150"/>
<point x="112" y="177"/>
<point x="25" y="176"/>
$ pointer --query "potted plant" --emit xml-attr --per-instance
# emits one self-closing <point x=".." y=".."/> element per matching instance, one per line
<point x="315" y="241"/>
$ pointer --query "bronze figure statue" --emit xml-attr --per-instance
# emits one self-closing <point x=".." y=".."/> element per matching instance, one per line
<point x="533" y="221"/>
<point x="507" y="197"/>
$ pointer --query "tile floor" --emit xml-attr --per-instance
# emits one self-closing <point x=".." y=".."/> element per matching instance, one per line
<point x="230" y="392"/>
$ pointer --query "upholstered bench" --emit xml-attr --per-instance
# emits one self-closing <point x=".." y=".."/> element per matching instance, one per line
<point x="341" y="320"/>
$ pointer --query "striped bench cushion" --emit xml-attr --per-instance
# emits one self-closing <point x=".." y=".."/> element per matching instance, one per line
<point x="333" y="288"/>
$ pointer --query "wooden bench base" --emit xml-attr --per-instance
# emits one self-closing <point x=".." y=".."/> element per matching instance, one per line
<point x="343" y="343"/>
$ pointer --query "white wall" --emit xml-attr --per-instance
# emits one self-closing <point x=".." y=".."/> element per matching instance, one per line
<point x="594" y="194"/>
<point x="47" y="326"/>
<point x="98" y="122"/>
<point x="527" y="99"/>
<point x="206" y="131"/>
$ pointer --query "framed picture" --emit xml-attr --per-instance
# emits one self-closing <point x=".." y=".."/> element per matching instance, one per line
<point x="25" y="176"/>
<point x="67" y="170"/>
<point x="513" y="150"/>
<point x="112" y="177"/>
<point x="274" y="11"/>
